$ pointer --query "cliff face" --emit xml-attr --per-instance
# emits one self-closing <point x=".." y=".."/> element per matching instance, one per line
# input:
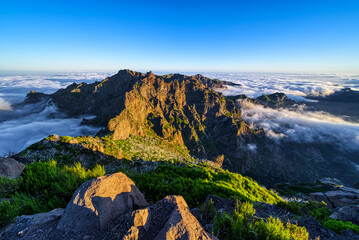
<point x="178" y="108"/>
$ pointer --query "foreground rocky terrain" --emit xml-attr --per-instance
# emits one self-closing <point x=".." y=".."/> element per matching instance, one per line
<point x="112" y="207"/>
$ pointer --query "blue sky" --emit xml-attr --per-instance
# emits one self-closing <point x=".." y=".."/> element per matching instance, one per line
<point x="244" y="36"/>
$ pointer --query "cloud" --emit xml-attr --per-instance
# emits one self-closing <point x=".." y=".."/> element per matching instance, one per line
<point x="301" y="125"/>
<point x="296" y="86"/>
<point x="27" y="125"/>
<point x="4" y="105"/>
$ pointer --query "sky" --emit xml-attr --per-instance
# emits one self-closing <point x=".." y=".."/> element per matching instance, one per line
<point x="218" y="36"/>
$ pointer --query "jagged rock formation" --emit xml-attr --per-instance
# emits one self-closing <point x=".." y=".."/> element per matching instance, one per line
<point x="175" y="107"/>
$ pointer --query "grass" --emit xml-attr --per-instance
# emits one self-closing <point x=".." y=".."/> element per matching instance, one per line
<point x="340" y="226"/>
<point x="305" y="188"/>
<point x="242" y="225"/>
<point x="43" y="187"/>
<point x="196" y="182"/>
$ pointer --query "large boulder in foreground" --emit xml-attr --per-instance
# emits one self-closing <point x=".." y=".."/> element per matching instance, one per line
<point x="10" y="168"/>
<point x="99" y="201"/>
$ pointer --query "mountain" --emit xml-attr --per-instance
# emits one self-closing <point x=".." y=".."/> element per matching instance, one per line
<point x="187" y="113"/>
<point x="177" y="108"/>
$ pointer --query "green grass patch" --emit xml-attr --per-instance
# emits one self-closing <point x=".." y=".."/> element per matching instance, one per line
<point x="242" y="225"/>
<point x="196" y="182"/>
<point x="42" y="187"/>
<point x="340" y="226"/>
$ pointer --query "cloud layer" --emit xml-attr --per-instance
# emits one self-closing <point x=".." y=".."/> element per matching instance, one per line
<point x="295" y="86"/>
<point x="302" y="126"/>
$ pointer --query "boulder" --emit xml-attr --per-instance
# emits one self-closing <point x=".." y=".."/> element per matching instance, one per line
<point x="28" y="224"/>
<point x="347" y="213"/>
<point x="172" y="219"/>
<point x="99" y="201"/>
<point x="320" y="197"/>
<point x="10" y="168"/>
<point x="341" y="198"/>
<point x="140" y="224"/>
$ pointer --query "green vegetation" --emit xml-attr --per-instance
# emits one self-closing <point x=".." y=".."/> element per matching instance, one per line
<point x="306" y="188"/>
<point x="196" y="182"/>
<point x="43" y="187"/>
<point x="243" y="225"/>
<point x="340" y="226"/>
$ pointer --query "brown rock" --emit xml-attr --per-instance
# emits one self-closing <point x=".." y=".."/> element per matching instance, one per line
<point x="99" y="201"/>
<point x="10" y="168"/>
<point x="140" y="223"/>
<point x="181" y="224"/>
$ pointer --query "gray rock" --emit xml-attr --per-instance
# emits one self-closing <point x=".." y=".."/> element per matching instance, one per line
<point x="347" y="213"/>
<point x="320" y="197"/>
<point x="341" y="198"/>
<point x="10" y="168"/>
<point x="27" y="224"/>
<point x="99" y="201"/>
<point x="315" y="230"/>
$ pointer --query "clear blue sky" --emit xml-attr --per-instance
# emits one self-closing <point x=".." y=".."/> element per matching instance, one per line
<point x="275" y="36"/>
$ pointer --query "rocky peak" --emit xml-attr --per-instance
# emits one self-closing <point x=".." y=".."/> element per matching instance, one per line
<point x="179" y="108"/>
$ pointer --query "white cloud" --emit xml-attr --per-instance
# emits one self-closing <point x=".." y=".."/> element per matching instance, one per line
<point x="35" y="122"/>
<point x="295" y="86"/>
<point x="4" y="105"/>
<point x="301" y="125"/>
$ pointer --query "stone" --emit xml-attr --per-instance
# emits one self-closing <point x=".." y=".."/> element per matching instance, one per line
<point x="99" y="201"/>
<point x="10" y="168"/>
<point x="320" y="197"/>
<point x="27" y="224"/>
<point x="181" y="224"/>
<point x="340" y="198"/>
<point x="140" y="223"/>
<point x="347" y="213"/>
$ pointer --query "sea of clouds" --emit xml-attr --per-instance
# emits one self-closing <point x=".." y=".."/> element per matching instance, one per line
<point x="22" y="126"/>
<point x="296" y="124"/>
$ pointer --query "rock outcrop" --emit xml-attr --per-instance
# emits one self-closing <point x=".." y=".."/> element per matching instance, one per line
<point x="27" y="225"/>
<point x="110" y="207"/>
<point x="180" y="223"/>
<point x="348" y="213"/>
<point x="99" y="201"/>
<point x="343" y="200"/>
<point x="10" y="168"/>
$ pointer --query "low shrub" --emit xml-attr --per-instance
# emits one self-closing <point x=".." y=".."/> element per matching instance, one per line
<point x="196" y="182"/>
<point x="243" y="225"/>
<point x="340" y="226"/>
<point x="45" y="186"/>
